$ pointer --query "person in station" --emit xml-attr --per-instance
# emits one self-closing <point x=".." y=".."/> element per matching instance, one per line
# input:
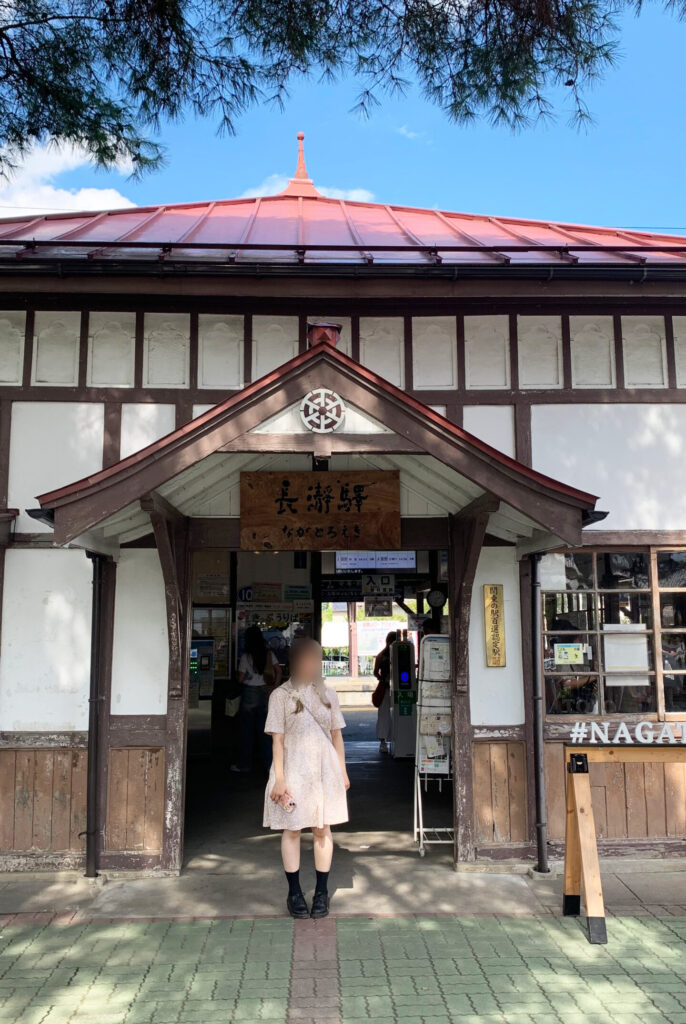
<point x="258" y="673"/>
<point x="382" y="673"/>
<point x="308" y="778"/>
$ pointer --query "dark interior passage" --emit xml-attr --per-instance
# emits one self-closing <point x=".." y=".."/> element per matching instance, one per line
<point x="224" y="808"/>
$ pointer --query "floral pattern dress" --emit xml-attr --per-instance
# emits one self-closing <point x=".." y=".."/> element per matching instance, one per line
<point x="311" y="765"/>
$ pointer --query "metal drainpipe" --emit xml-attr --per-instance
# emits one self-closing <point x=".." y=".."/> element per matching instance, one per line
<point x="92" y="825"/>
<point x="539" y="764"/>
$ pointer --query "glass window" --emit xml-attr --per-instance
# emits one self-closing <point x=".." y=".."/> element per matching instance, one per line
<point x="673" y="610"/>
<point x="620" y="570"/>
<point x="598" y="637"/>
<point x="572" y="570"/>
<point x="671" y="568"/>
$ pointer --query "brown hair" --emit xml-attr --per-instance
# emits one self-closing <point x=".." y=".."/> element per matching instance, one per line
<point x="302" y="645"/>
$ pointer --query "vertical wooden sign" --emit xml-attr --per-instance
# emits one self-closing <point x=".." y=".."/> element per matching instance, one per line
<point x="494" y="623"/>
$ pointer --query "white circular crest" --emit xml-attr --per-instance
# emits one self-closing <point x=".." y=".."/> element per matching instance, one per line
<point x="322" y="411"/>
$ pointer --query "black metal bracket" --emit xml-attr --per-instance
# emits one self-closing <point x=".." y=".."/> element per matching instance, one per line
<point x="578" y="764"/>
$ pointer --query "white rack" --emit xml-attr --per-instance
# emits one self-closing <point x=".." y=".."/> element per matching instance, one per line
<point x="433" y="699"/>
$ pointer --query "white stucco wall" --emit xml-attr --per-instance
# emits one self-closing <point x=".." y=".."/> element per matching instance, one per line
<point x="51" y="444"/>
<point x="496" y="694"/>
<point x="45" y="653"/>
<point x="144" y="422"/>
<point x="494" y="424"/>
<point x="631" y="456"/>
<point x="140" y="658"/>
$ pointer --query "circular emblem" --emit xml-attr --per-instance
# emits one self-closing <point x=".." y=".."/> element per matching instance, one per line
<point x="322" y="411"/>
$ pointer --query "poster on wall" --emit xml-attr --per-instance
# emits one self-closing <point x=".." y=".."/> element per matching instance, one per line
<point x="378" y="607"/>
<point x="280" y="622"/>
<point x="303" y="511"/>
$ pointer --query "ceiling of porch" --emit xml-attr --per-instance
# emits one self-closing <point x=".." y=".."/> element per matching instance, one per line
<point x="211" y="489"/>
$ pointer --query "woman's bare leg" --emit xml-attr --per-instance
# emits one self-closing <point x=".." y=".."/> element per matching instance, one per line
<point x="323" y="848"/>
<point x="290" y="850"/>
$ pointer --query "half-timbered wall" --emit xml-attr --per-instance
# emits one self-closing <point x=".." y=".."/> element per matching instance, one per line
<point x="500" y="793"/>
<point x="45" y="653"/>
<point x="140" y="656"/>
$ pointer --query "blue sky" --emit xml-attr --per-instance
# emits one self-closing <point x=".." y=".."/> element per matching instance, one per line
<point x="627" y="169"/>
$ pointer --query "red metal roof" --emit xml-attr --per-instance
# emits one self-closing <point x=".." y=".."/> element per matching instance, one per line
<point x="302" y="226"/>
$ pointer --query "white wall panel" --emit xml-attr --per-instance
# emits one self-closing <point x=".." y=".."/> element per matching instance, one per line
<point x="56" y="339"/>
<point x="275" y="340"/>
<point x="45" y="653"/>
<point x="144" y="422"/>
<point x="644" y="349"/>
<point x="434" y="352"/>
<point x="198" y="410"/>
<point x="111" y="349"/>
<point x="539" y="346"/>
<point x="496" y="694"/>
<point x="631" y="456"/>
<point x="166" y="351"/>
<point x="487" y="351"/>
<point x="220" y="351"/>
<point x="382" y="347"/>
<point x="679" y="323"/>
<point x="51" y="444"/>
<point x="593" y="351"/>
<point x="494" y="424"/>
<point x="12" y="333"/>
<point x="140" y="657"/>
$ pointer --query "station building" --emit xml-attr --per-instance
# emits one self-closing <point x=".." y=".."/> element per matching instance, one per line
<point x="517" y="391"/>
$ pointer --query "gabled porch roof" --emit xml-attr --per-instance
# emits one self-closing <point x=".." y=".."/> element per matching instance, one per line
<point x="196" y="468"/>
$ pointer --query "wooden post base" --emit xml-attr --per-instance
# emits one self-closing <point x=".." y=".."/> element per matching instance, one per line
<point x="581" y="852"/>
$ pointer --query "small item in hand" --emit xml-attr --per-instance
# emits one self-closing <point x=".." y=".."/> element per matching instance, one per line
<point x="287" y="802"/>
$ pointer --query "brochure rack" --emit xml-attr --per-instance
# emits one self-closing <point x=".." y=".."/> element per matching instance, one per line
<point x="432" y="751"/>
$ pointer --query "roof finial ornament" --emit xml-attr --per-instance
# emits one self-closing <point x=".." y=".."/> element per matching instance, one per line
<point x="300" y="184"/>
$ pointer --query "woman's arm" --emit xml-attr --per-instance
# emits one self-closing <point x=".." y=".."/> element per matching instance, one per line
<point x="337" y="740"/>
<point x="279" y="787"/>
<point x="376" y="671"/>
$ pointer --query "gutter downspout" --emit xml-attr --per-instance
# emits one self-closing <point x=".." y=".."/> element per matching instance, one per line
<point x="539" y="764"/>
<point x="94" y="698"/>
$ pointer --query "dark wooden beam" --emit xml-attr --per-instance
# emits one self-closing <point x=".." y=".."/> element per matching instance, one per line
<point x="466" y="537"/>
<point x="172" y="594"/>
<point x="154" y="502"/>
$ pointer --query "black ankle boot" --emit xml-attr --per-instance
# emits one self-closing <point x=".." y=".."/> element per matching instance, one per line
<point x="320" y="904"/>
<point x="297" y="907"/>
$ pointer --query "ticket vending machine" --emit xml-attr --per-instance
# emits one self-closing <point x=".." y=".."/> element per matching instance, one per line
<point x="403" y="698"/>
<point x="201" y="682"/>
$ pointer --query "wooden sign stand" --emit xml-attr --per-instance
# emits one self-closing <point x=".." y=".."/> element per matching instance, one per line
<point x="581" y="847"/>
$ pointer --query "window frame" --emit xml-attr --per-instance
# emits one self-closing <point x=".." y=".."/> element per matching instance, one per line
<point x="598" y="672"/>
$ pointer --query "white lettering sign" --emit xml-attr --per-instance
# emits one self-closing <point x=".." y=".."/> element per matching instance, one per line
<point x="628" y="733"/>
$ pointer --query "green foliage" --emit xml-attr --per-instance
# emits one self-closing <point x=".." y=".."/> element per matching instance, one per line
<point x="103" y="74"/>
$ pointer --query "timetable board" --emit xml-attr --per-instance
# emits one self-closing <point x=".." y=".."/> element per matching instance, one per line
<point x="435" y="706"/>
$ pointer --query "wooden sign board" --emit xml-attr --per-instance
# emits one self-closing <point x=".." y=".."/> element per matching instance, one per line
<point x="325" y="511"/>
<point x="494" y="622"/>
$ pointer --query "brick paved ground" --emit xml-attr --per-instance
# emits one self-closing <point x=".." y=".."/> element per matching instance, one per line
<point x="428" y="970"/>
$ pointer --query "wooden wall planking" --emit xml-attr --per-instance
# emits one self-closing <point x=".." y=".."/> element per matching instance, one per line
<point x="42" y="799"/>
<point x="135" y="800"/>
<point x="500" y="798"/>
<point x="630" y="801"/>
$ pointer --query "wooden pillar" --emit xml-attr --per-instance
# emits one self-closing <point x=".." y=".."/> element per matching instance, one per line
<point x="171" y="530"/>
<point x="466" y="532"/>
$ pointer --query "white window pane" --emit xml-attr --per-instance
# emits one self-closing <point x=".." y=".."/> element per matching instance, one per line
<point x="679" y="323"/>
<point x="56" y="348"/>
<point x="487" y="351"/>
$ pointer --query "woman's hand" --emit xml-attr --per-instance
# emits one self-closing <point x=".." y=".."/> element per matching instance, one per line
<point x="279" y="790"/>
<point x="346" y="780"/>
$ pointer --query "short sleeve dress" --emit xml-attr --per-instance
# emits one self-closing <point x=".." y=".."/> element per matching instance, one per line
<point x="311" y="765"/>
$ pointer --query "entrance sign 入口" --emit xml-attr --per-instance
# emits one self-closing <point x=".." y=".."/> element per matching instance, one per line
<point x="378" y="584"/>
<point x="322" y="411"/>
<point x="310" y="511"/>
<point x="494" y="624"/>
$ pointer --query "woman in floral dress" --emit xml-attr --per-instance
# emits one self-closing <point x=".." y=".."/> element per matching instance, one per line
<point x="308" y="778"/>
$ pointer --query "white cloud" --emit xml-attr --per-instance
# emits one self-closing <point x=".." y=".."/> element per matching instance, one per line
<point x="408" y="133"/>
<point x="277" y="183"/>
<point x="30" y="187"/>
